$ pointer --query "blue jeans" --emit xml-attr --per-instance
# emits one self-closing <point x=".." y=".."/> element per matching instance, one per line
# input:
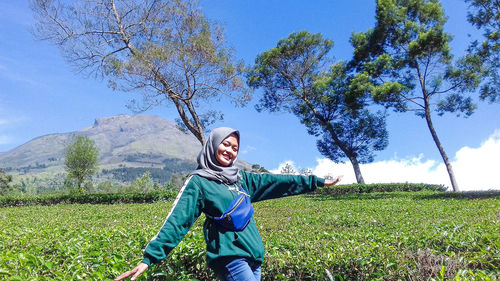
<point x="239" y="270"/>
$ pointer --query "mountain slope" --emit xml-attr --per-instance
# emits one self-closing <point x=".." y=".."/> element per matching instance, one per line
<point x="128" y="146"/>
<point x="123" y="139"/>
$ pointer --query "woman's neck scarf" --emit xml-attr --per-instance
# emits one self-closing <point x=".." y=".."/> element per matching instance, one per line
<point x="208" y="166"/>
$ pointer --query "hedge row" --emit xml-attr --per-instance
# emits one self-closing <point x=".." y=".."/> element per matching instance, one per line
<point x="378" y="187"/>
<point x="112" y="198"/>
<point x="100" y="198"/>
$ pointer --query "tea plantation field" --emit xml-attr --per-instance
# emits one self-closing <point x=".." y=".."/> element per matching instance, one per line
<point x="374" y="236"/>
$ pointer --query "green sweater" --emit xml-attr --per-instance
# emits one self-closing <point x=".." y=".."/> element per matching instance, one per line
<point x="200" y="195"/>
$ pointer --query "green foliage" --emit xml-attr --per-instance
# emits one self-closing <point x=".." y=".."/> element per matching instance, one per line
<point x="107" y="187"/>
<point x="289" y="70"/>
<point x="329" y="101"/>
<point x="42" y="183"/>
<point x="160" y="175"/>
<point x="407" y="62"/>
<point x="144" y="190"/>
<point x="5" y="181"/>
<point x="485" y="16"/>
<point x="378" y="187"/>
<point x="366" y="132"/>
<point x="81" y="160"/>
<point x="143" y="184"/>
<point x="408" y="58"/>
<point x="256" y="168"/>
<point x="375" y="236"/>
<point x="96" y="198"/>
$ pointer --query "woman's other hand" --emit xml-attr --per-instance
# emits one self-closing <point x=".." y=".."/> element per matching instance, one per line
<point x="334" y="181"/>
<point x="138" y="270"/>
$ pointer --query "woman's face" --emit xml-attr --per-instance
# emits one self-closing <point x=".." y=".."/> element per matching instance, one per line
<point x="227" y="150"/>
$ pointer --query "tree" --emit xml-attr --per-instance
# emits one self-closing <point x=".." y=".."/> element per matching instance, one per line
<point x="407" y="62"/>
<point x="142" y="184"/>
<point x="362" y="133"/>
<point x="328" y="102"/>
<point x="305" y="172"/>
<point x="165" y="50"/>
<point x="81" y="159"/>
<point x="288" y="169"/>
<point x="256" y="168"/>
<point x="485" y="16"/>
<point x="5" y="181"/>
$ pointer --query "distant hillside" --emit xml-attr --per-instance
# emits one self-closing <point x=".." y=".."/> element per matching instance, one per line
<point x="128" y="146"/>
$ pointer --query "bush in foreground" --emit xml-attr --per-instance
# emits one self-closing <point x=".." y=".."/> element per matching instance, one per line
<point x="369" y="236"/>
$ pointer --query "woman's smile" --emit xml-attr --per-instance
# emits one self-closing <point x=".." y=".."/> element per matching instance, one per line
<point x="227" y="150"/>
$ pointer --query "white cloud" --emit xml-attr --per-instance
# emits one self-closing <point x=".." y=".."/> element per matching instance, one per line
<point x="474" y="168"/>
<point x="413" y="170"/>
<point x="478" y="168"/>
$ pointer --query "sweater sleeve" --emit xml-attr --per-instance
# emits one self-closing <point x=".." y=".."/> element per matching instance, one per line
<point x="186" y="209"/>
<point x="270" y="186"/>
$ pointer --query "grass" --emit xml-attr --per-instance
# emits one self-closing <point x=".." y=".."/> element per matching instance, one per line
<point x="375" y="236"/>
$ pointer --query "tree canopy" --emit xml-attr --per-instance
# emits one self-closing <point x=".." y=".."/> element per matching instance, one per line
<point x="485" y="16"/>
<point x="5" y="181"/>
<point x="410" y="67"/>
<point x="296" y="76"/>
<point x="165" y="50"/>
<point x="81" y="159"/>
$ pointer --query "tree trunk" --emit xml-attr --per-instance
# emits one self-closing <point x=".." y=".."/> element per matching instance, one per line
<point x="336" y="140"/>
<point x="454" y="184"/>
<point x="196" y="130"/>
<point x="352" y="158"/>
<point x="357" y="170"/>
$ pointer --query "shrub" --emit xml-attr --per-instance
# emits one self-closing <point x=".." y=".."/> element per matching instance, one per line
<point x="378" y="187"/>
<point x="111" y="198"/>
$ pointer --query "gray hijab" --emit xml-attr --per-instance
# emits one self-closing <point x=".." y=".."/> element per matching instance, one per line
<point x="208" y="166"/>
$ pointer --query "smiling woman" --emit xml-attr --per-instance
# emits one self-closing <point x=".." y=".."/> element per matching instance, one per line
<point x="216" y="188"/>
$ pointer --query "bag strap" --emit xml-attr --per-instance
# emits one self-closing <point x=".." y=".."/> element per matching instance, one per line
<point x="239" y="189"/>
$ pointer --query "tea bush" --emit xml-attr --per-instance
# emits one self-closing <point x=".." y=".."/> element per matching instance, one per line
<point x="97" y="198"/>
<point x="153" y="196"/>
<point x="370" y="236"/>
<point x="379" y="187"/>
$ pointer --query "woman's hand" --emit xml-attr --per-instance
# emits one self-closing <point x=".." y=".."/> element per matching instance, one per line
<point x="334" y="181"/>
<point x="138" y="270"/>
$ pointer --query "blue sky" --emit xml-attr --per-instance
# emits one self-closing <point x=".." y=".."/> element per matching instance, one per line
<point x="40" y="94"/>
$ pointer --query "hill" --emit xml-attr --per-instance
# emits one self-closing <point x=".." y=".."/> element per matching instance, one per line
<point x="128" y="146"/>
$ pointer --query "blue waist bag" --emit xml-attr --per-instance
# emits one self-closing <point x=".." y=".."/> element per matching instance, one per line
<point x="237" y="215"/>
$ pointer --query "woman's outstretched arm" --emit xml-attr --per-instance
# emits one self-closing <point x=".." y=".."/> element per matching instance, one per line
<point x="334" y="181"/>
<point x="270" y="186"/>
<point x="183" y="213"/>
